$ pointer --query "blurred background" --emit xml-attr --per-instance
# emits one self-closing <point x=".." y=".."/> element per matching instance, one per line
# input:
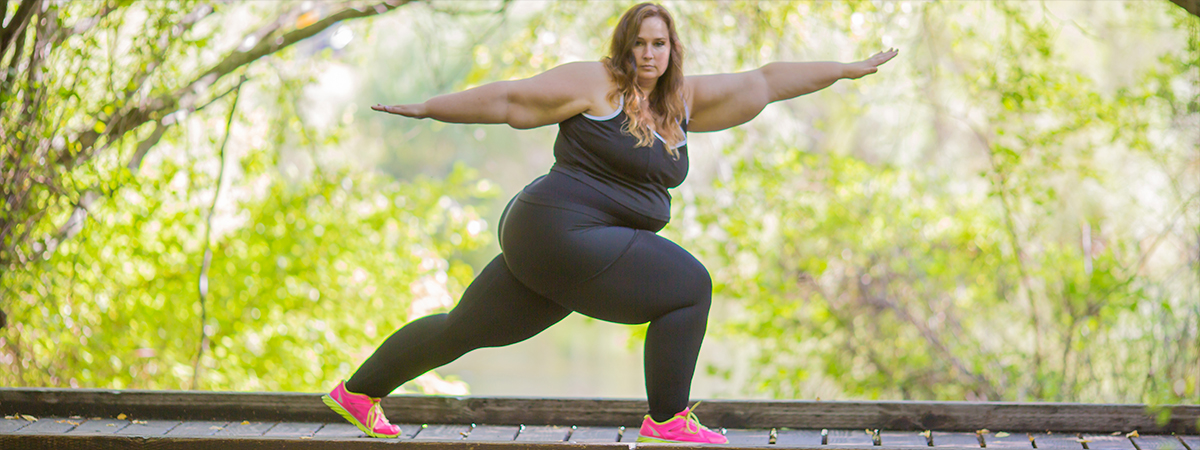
<point x="196" y="195"/>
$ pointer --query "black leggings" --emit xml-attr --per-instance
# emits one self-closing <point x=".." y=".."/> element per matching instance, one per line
<point x="556" y="261"/>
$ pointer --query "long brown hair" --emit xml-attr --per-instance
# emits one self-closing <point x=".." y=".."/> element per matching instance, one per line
<point x="666" y="101"/>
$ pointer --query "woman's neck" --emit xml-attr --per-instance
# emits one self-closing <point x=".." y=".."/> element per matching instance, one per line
<point x="647" y="87"/>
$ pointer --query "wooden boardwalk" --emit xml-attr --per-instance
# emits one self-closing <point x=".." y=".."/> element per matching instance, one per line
<point x="100" y="419"/>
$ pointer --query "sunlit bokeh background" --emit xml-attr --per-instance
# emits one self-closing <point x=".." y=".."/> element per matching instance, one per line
<point x="197" y="196"/>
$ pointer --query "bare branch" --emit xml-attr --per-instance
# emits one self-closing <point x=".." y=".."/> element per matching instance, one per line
<point x="1192" y="6"/>
<point x="185" y="97"/>
<point x="17" y="24"/>
<point x="202" y="281"/>
<point x="932" y="338"/>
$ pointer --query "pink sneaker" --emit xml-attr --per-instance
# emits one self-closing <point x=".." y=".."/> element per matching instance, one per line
<point x="360" y="409"/>
<point x="684" y="428"/>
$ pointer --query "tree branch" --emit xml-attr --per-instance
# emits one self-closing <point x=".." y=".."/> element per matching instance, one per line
<point x="17" y="24"/>
<point x="184" y="97"/>
<point x="202" y="282"/>
<point x="1191" y="6"/>
<point x="185" y="100"/>
<point x="931" y="337"/>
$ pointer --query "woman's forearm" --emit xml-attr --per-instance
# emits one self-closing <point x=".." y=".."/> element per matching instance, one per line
<point x="786" y="80"/>
<point x="483" y="104"/>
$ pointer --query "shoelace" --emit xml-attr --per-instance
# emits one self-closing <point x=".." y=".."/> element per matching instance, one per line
<point x="375" y="415"/>
<point x="691" y="418"/>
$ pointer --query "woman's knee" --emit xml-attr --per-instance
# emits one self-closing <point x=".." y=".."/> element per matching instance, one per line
<point x="700" y="285"/>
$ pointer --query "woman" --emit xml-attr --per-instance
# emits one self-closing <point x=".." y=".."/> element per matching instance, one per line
<point x="582" y="238"/>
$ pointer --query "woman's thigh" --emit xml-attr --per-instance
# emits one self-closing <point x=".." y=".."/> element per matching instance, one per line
<point x="497" y="310"/>
<point x="654" y="276"/>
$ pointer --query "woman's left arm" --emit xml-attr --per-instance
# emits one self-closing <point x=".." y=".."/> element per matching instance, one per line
<point x="728" y="100"/>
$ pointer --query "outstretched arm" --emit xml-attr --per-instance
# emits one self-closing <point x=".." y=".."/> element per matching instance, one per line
<point x="728" y="100"/>
<point x="547" y="98"/>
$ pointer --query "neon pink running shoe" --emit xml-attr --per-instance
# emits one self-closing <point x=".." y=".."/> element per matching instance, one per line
<point x="684" y="428"/>
<point x="360" y="410"/>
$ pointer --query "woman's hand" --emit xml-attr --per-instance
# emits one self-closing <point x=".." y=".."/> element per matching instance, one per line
<point x="868" y="66"/>
<point x="416" y="110"/>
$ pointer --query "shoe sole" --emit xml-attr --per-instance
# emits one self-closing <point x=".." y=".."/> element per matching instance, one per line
<point x="647" y="439"/>
<point x="337" y="408"/>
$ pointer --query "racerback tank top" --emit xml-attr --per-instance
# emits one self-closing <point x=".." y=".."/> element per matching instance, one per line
<point x="595" y="152"/>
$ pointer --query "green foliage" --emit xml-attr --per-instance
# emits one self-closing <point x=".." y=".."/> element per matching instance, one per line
<point x="1021" y="280"/>
<point x="993" y="216"/>
<point x="295" y="289"/>
<point x="313" y="261"/>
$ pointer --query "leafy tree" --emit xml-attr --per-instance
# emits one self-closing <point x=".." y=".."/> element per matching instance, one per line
<point x="1011" y="273"/>
<point x="125" y="262"/>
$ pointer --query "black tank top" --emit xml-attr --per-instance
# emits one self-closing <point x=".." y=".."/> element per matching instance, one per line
<point x="594" y="156"/>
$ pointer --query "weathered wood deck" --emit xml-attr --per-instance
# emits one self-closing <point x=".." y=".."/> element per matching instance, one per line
<point x="103" y="419"/>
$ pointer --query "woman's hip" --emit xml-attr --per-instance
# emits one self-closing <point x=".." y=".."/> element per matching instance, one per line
<point x="551" y="248"/>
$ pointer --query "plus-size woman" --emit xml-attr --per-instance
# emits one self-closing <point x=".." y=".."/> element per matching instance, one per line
<point x="583" y="237"/>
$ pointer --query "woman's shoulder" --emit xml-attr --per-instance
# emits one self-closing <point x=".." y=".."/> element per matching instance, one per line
<point x="593" y="81"/>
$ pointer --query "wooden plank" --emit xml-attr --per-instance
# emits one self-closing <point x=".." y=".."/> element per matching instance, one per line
<point x="245" y="428"/>
<point x="1107" y="441"/>
<point x="111" y="442"/>
<point x="593" y="434"/>
<point x="100" y="426"/>
<point x="336" y="430"/>
<point x="890" y="438"/>
<point x="1160" y="442"/>
<point x="148" y="427"/>
<point x="502" y="433"/>
<point x="1191" y="442"/>
<point x="294" y="429"/>
<point x="798" y="438"/>
<point x="1057" y="441"/>
<point x="14" y="424"/>
<point x="849" y="438"/>
<point x="339" y="430"/>
<point x="956" y="439"/>
<point x="543" y="433"/>
<point x="1004" y="439"/>
<point x="743" y="436"/>
<point x="444" y="432"/>
<point x="49" y="425"/>
<point x="889" y="415"/>
<point x="629" y="434"/>
<point x="198" y="428"/>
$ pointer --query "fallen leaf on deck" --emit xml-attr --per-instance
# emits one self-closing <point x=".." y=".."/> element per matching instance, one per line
<point x="1132" y="434"/>
<point x="1002" y="434"/>
<point x="121" y="416"/>
<point x="10" y="417"/>
<point x="983" y="431"/>
<point x="139" y="422"/>
<point x="28" y="417"/>
<point x="214" y="427"/>
<point x="245" y="422"/>
<point x="110" y="424"/>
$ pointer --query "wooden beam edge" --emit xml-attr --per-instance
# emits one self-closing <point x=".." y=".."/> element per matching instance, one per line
<point x="895" y="415"/>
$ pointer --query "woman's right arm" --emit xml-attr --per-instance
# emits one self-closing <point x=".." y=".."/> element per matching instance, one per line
<point x="544" y="99"/>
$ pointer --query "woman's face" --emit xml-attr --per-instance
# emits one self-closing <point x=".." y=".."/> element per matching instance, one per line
<point x="652" y="50"/>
